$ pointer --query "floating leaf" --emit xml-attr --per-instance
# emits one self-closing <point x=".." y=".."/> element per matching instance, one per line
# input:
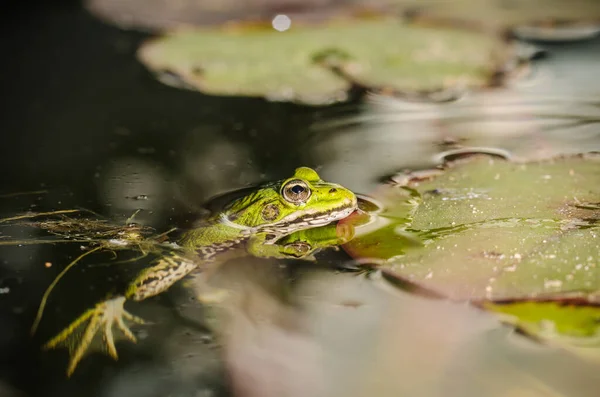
<point x="569" y="323"/>
<point x="167" y="14"/>
<point x="319" y="64"/>
<point x="519" y="239"/>
<point x="493" y="229"/>
<point x="572" y="318"/>
<point x="497" y="14"/>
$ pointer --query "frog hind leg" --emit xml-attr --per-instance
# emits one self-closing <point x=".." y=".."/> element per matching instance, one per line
<point x="101" y="318"/>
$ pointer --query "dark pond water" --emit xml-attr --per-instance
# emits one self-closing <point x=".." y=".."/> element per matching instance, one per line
<point x="86" y="126"/>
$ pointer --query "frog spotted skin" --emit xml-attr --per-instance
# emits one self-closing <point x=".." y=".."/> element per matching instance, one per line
<point x="272" y="221"/>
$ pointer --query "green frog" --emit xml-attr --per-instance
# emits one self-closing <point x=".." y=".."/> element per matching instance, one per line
<point x="276" y="220"/>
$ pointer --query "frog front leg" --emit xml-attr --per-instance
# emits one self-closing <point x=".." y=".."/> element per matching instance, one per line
<point x="300" y="244"/>
<point x="101" y="318"/>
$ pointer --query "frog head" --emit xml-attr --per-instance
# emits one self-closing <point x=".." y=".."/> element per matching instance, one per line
<point x="301" y="202"/>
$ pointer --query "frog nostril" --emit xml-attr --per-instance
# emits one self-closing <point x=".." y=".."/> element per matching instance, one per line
<point x="332" y="190"/>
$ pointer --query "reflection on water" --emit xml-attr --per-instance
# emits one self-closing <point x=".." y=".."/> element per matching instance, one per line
<point x="553" y="111"/>
<point x="346" y="335"/>
<point x="285" y="329"/>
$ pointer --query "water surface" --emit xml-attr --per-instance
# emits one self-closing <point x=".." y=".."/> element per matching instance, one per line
<point x="87" y="126"/>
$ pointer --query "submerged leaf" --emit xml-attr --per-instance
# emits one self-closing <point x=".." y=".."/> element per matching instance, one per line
<point x="319" y="64"/>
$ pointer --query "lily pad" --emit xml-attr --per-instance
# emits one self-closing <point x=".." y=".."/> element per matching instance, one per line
<point x="570" y="318"/>
<point x="570" y="323"/>
<point x="318" y="64"/>
<point x="498" y="14"/>
<point x="492" y="229"/>
<point x="156" y="15"/>
<point x="517" y="238"/>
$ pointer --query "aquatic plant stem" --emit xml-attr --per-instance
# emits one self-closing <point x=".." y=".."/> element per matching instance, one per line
<point x="40" y="311"/>
<point x="14" y="218"/>
<point x="34" y="242"/>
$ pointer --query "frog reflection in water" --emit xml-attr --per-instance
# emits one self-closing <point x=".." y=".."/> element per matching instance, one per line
<point x="285" y="219"/>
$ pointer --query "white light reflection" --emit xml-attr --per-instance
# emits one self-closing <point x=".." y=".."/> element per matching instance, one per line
<point x="281" y="23"/>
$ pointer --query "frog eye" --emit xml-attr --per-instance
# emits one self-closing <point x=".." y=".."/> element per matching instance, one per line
<point x="296" y="191"/>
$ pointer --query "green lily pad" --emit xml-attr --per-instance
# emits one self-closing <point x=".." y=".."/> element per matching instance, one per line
<point x="569" y="323"/>
<point x="514" y="238"/>
<point x="319" y="64"/>
<point x="492" y="229"/>
<point x="571" y="318"/>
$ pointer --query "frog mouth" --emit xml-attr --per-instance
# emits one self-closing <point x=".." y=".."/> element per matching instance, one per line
<point x="294" y="222"/>
<point x="324" y="218"/>
<point x="309" y="220"/>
